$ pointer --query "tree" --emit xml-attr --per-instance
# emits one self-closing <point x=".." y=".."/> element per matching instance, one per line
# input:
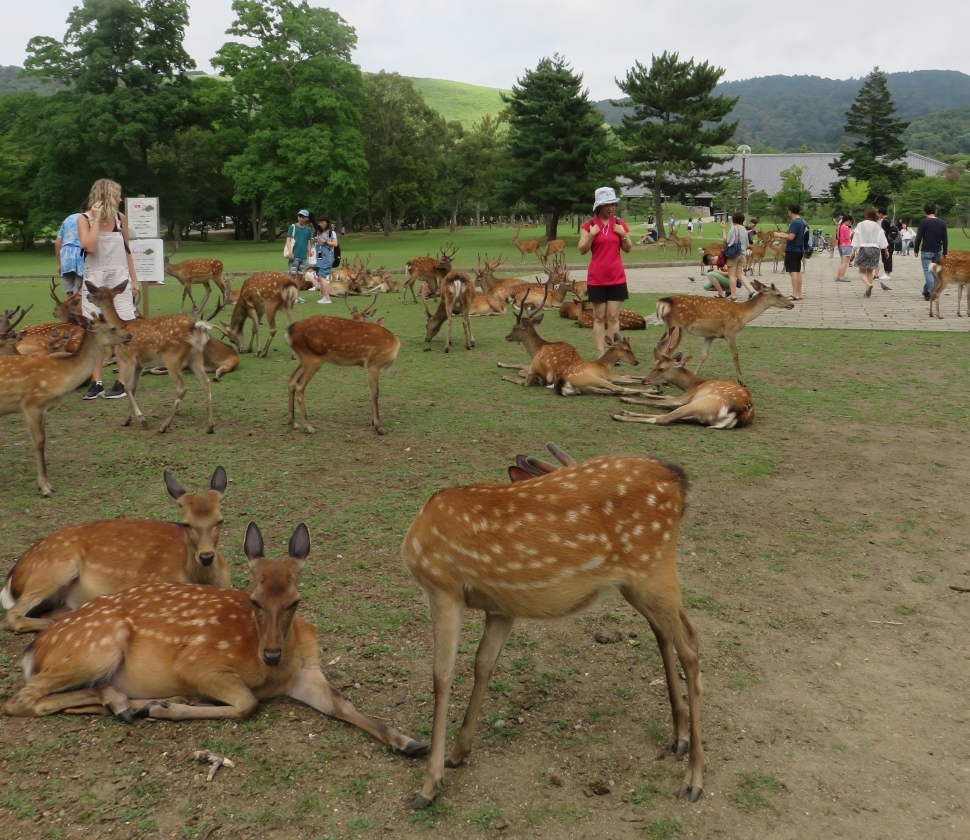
<point x="556" y="144"/>
<point x="854" y="194"/>
<point x="793" y="190"/>
<point x="469" y="165"/>
<point x="877" y="156"/>
<point x="759" y="204"/>
<point x="676" y="119"/>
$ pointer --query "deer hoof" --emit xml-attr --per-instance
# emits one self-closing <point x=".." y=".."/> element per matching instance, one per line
<point x="415" y="749"/>
<point x="381" y="430"/>
<point x="679" y="746"/>
<point x="695" y="792"/>
<point x="51" y="492"/>
<point x="125" y="716"/>
<point x="309" y="429"/>
<point x="210" y="430"/>
<point x="419" y="802"/>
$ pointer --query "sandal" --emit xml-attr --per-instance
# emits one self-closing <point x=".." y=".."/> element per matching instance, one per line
<point x="868" y="291"/>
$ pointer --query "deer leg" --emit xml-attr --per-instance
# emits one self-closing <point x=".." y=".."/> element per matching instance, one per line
<point x="448" y="331"/>
<point x="705" y="349"/>
<point x="672" y="402"/>
<point x="520" y="368"/>
<point x="131" y="384"/>
<point x="186" y="292"/>
<point x="36" y="424"/>
<point x="175" y="371"/>
<point x="25" y="704"/>
<point x="271" y="321"/>
<point x="291" y="394"/>
<point x="47" y="594"/>
<point x="311" y="687"/>
<point x="470" y="339"/>
<point x="198" y="368"/>
<point x="497" y="629"/>
<point x="733" y="344"/>
<point x="254" y="316"/>
<point x="374" y="381"/>
<point x="299" y="386"/>
<point x="226" y="688"/>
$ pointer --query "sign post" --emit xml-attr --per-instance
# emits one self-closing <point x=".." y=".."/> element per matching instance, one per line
<point x="147" y="248"/>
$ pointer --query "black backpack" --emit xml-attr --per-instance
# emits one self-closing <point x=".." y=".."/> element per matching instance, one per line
<point x="892" y="234"/>
<point x="336" y="256"/>
<point x="807" y="244"/>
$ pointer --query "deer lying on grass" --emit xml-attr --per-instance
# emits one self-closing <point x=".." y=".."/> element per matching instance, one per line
<point x="716" y="403"/>
<point x="8" y="337"/>
<point x="429" y="269"/>
<point x="201" y="271"/>
<point x="322" y="338"/>
<point x="457" y="298"/>
<point x="712" y="318"/>
<point x="488" y="547"/>
<point x="34" y="385"/>
<point x="582" y="377"/>
<point x="954" y="268"/>
<point x="174" y="341"/>
<point x="364" y="314"/>
<point x="629" y="320"/>
<point x="78" y="564"/>
<point x="144" y="651"/>
<point x="526" y="246"/>
<point x="264" y="293"/>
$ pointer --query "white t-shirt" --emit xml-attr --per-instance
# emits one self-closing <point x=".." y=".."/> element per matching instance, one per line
<point x="869" y="234"/>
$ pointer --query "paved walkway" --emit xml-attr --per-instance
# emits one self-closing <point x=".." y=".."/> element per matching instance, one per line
<point x="827" y="304"/>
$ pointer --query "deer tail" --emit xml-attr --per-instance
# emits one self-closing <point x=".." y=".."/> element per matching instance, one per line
<point x="7" y="599"/>
<point x="559" y="385"/>
<point x="200" y="334"/>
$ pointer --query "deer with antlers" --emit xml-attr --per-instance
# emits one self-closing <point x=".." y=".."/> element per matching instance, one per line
<point x="34" y="385"/>
<point x="189" y="272"/>
<point x="174" y="341"/>
<point x="429" y="269"/>
<point x="343" y="342"/>
<point x="526" y="246"/>
<point x="457" y="298"/>
<point x="488" y="547"/>
<point x="716" y="403"/>
<point x="683" y="244"/>
<point x="953" y="268"/>
<point x="148" y="651"/>
<point x="78" y="564"/>
<point x="264" y="293"/>
<point x="8" y="336"/>
<point x="711" y="318"/>
<point x="38" y="338"/>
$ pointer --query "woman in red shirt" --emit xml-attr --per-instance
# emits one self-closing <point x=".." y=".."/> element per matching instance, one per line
<point x="843" y="241"/>
<point x="605" y="235"/>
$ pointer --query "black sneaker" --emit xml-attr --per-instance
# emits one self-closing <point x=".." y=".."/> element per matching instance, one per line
<point x="95" y="391"/>
<point x="115" y="392"/>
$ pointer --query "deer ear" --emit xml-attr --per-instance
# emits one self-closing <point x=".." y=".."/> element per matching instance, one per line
<point x="616" y="337"/>
<point x="518" y="474"/>
<point x="117" y="290"/>
<point x="537" y="319"/>
<point x="299" y="548"/>
<point x="90" y="287"/>
<point x="175" y="489"/>
<point x="253" y="544"/>
<point x="219" y="480"/>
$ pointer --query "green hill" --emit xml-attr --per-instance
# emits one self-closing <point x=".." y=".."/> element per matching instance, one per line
<point x="458" y="101"/>
<point x="945" y="132"/>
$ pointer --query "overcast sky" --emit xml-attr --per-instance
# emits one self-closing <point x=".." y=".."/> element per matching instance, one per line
<point x="492" y="42"/>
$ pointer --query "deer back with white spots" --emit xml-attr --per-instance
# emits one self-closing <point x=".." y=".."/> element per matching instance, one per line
<point x="263" y="293"/>
<point x="201" y="271"/>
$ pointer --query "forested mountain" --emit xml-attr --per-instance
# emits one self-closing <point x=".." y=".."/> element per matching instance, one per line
<point x="789" y="112"/>
<point x="945" y="132"/>
<point x="10" y="83"/>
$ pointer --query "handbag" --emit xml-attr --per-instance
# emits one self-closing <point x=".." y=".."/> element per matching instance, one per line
<point x="733" y="250"/>
<point x="287" y="248"/>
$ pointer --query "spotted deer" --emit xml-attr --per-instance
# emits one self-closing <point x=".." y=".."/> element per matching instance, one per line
<point x="495" y="547"/>
<point x="77" y="564"/>
<point x="628" y="319"/>
<point x="954" y="268"/>
<point x="526" y="246"/>
<point x="36" y="338"/>
<point x="176" y="651"/>
<point x="546" y="356"/>
<point x="189" y="272"/>
<point x="457" y="298"/>
<point x="554" y="246"/>
<point x="264" y="293"/>
<point x="579" y="376"/>
<point x="429" y="269"/>
<point x="8" y="336"/>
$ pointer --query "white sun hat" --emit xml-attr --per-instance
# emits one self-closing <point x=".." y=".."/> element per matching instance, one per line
<point x="604" y="195"/>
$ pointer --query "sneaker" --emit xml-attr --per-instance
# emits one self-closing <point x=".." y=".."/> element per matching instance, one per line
<point x="324" y="300"/>
<point x="884" y="276"/>
<point x="842" y="280"/>
<point x="115" y="392"/>
<point x="95" y="391"/>
<point x="299" y="300"/>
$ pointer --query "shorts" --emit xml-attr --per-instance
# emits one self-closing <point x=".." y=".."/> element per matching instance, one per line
<point x="298" y="266"/>
<point x="793" y="261"/>
<point x="734" y="260"/>
<point x="845" y="250"/>
<point x="602" y="294"/>
<point x="71" y="282"/>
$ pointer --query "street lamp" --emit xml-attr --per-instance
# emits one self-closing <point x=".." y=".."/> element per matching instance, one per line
<point x="744" y="150"/>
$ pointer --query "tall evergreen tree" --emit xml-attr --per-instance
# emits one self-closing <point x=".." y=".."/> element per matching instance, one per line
<point x="676" y="119"/>
<point x="877" y="155"/>
<point x="556" y="142"/>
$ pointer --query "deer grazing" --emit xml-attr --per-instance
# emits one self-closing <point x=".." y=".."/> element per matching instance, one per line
<point x="174" y="341"/>
<point x="457" y="298"/>
<point x="264" y="293"/>
<point x="716" y="403"/>
<point x="526" y="246"/>
<point x="488" y="547"/>
<point x="201" y="271"/>
<point x="712" y="318"/>
<point x="429" y="269"/>
<point x="954" y="268"/>
<point x="148" y="651"/>
<point x="554" y="246"/>
<point x="78" y="564"/>
<point x="343" y="342"/>
<point x="34" y="385"/>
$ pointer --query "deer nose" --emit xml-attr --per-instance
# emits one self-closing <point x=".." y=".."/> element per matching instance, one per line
<point x="272" y="657"/>
<point x="206" y="558"/>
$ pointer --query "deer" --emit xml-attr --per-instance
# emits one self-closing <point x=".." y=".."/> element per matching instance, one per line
<point x="322" y="338"/>
<point x="218" y="357"/>
<point x="579" y="376"/>
<point x="37" y="338"/>
<point x="546" y="356"/>
<point x="8" y="337"/>
<point x="430" y="269"/>
<point x="777" y="251"/>
<point x="753" y="256"/>
<point x="457" y="298"/>
<point x="712" y="318"/>
<point x="717" y="403"/>
<point x="683" y="244"/>
<point x="954" y="268"/>
<point x="488" y="547"/>
<point x="660" y="243"/>
<point x="147" y="651"/>
<point x="554" y="246"/>
<point x="628" y="319"/>
<point x="264" y="293"/>
<point x="570" y="309"/>
<point x="525" y="246"/>
<point x="174" y="341"/>
<point x="33" y="385"/>
<point x="77" y="564"/>
<point x="189" y="272"/>
<point x="364" y="314"/>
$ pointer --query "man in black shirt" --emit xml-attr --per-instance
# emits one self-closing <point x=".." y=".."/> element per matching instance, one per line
<point x="892" y="234"/>
<point x="931" y="239"/>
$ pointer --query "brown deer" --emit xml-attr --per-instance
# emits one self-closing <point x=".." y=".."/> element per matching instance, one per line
<point x="37" y="337"/>
<point x="754" y="255"/>
<point x="526" y="246"/>
<point x="218" y="357"/>
<point x="954" y="268"/>
<point x="78" y="564"/>
<point x="264" y="293"/>
<point x="189" y="272"/>
<point x="174" y="341"/>
<point x="485" y="277"/>
<point x="150" y="650"/>
<point x="777" y="251"/>
<point x="547" y="357"/>
<point x="364" y="314"/>
<point x="457" y="298"/>
<point x="554" y="246"/>
<point x="582" y="377"/>
<point x="8" y="337"/>
<point x="430" y="269"/>
<point x="628" y="319"/>
<point x="322" y="338"/>
<point x="489" y="547"/>
<point x="716" y="403"/>
<point x="683" y="244"/>
<point x="660" y="243"/>
<point x="35" y="384"/>
<point x="571" y="309"/>
<point x="712" y="318"/>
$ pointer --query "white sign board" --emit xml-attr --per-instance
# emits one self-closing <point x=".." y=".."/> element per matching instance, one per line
<point x="149" y="259"/>
<point x="142" y="216"/>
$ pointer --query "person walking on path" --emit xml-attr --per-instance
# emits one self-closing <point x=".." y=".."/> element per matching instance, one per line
<point x="70" y="256"/>
<point x="906" y="234"/>
<point x="843" y="241"/>
<point x="735" y="239"/>
<point x="868" y="240"/>
<point x="892" y="235"/>
<point x="324" y="243"/>
<point x="931" y="239"/>
<point x="795" y="237"/>
<point x="298" y="238"/>
<point x="605" y="235"/>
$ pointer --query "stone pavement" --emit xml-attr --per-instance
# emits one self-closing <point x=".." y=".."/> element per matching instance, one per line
<point x="827" y="304"/>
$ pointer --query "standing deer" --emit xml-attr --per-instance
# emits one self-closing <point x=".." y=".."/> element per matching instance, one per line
<point x="526" y="246"/>
<point x="754" y="255"/>
<point x="428" y="269"/>
<point x="201" y="271"/>
<point x="78" y="564"/>
<point x="954" y="268"/>
<point x="716" y="403"/>
<point x="320" y="339"/>
<point x="712" y="318"/>
<point x="264" y="293"/>
<point x="683" y="244"/>
<point x="777" y="251"/>
<point x="143" y="652"/>
<point x="490" y="547"/>
<point x="554" y="246"/>
<point x="457" y="298"/>
<point x="174" y="341"/>
<point x="34" y="385"/>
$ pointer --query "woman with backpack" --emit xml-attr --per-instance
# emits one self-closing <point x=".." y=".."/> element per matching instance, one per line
<point x="868" y="243"/>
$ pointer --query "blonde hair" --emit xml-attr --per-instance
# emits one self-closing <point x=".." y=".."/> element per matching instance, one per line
<point x="108" y="192"/>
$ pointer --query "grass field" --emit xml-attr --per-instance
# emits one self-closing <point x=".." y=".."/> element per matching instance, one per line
<point x="459" y="101"/>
